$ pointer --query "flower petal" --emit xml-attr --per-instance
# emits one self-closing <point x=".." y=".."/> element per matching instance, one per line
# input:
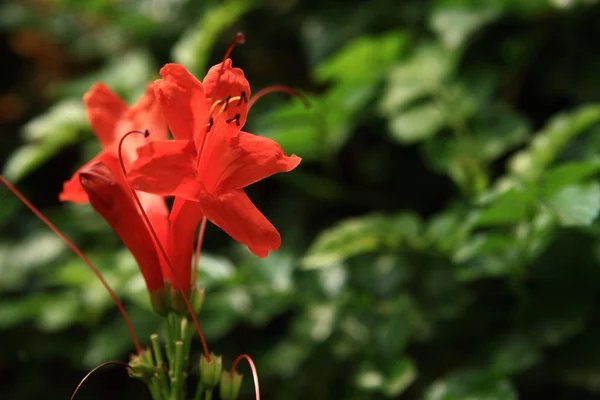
<point x="235" y="213"/>
<point x="166" y="168"/>
<point x="216" y="154"/>
<point x="222" y="82"/>
<point x="104" y="108"/>
<point x="257" y="158"/>
<point x="112" y="201"/>
<point x="184" y="220"/>
<point x="72" y="189"/>
<point x="145" y="114"/>
<point x="158" y="214"/>
<point x="183" y="103"/>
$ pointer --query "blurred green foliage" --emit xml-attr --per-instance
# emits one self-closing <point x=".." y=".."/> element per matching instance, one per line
<point x="439" y="240"/>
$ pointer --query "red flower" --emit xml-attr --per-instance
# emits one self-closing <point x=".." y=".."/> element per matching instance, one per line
<point x="102" y="183"/>
<point x="211" y="159"/>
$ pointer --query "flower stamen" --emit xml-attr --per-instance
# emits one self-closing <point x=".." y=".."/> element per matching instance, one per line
<point x="79" y="253"/>
<point x="104" y="364"/>
<point x="281" y="89"/>
<point x="243" y="99"/>
<point x="236" y="118"/>
<point x="254" y="372"/>
<point x="239" y="39"/>
<point x="224" y="103"/>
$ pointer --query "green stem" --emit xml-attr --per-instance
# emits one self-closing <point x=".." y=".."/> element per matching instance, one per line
<point x="208" y="395"/>
<point x="155" y="391"/>
<point x="179" y="378"/>
<point x="170" y="342"/>
<point x="199" y="391"/>
<point x="163" y="382"/>
<point x="187" y="333"/>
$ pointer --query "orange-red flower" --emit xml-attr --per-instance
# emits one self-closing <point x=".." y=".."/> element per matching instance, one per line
<point x="102" y="183"/>
<point x="211" y="159"/>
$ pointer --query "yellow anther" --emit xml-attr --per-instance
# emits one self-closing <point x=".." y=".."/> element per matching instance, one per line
<point x="236" y="98"/>
<point x="223" y="103"/>
<point x="212" y="108"/>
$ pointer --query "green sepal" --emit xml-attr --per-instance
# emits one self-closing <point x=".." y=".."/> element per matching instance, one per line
<point x="141" y="366"/>
<point x="210" y="371"/>
<point x="230" y="385"/>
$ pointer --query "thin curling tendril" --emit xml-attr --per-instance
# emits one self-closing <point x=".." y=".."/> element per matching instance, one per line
<point x="159" y="245"/>
<point x="254" y="372"/>
<point x="104" y="364"/>
<point x="80" y="254"/>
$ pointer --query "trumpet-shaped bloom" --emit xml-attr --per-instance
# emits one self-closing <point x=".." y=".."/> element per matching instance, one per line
<point x="102" y="183"/>
<point x="212" y="160"/>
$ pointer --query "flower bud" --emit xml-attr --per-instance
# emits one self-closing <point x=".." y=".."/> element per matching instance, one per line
<point x="230" y="385"/>
<point x="210" y="371"/>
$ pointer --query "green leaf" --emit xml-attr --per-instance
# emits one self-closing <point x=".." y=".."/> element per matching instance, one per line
<point x="18" y="311"/>
<point x="49" y="133"/>
<point x="512" y="206"/>
<point x="417" y="123"/>
<point x="392" y="382"/>
<point x="59" y="311"/>
<point x="455" y="25"/>
<point x="214" y="269"/>
<point x="513" y="355"/>
<point x="478" y="385"/>
<point x="127" y="75"/>
<point x="402" y="375"/>
<point x="547" y="144"/>
<point x="480" y="244"/>
<point x="419" y="76"/>
<point x="577" y="205"/>
<point x="19" y="259"/>
<point x="298" y="130"/>
<point x="286" y="357"/>
<point x="370" y="57"/>
<point x="362" y="235"/>
<point x="498" y="130"/>
<point x="567" y="174"/>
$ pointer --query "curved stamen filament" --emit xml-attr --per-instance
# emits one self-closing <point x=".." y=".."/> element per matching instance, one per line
<point x="159" y="245"/>
<point x="225" y="102"/>
<point x="214" y="105"/>
<point x="104" y="364"/>
<point x="254" y="372"/>
<point x="239" y="39"/>
<point x="280" y="89"/>
<point x="198" y="249"/>
<point x="79" y="253"/>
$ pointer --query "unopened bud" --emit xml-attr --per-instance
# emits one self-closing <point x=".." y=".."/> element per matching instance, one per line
<point x="210" y="371"/>
<point x="230" y="385"/>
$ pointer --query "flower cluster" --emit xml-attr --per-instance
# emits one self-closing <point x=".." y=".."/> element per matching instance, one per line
<point x="205" y="168"/>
